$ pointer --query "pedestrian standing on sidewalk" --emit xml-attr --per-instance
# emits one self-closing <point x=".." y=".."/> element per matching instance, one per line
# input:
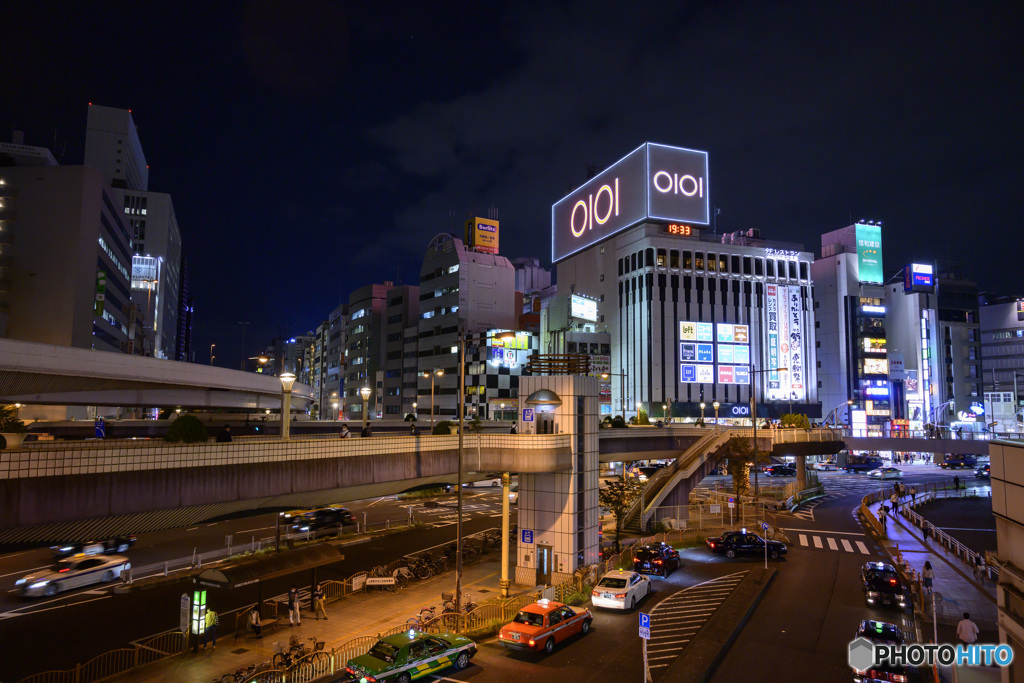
<point x="927" y="575"/>
<point x="294" y="618"/>
<point x="979" y="568"/>
<point x="210" y="634"/>
<point x="913" y="494"/>
<point x="882" y="516"/>
<point x="895" y="500"/>
<point x="318" y="601"/>
<point x="967" y="630"/>
<point x="956" y="481"/>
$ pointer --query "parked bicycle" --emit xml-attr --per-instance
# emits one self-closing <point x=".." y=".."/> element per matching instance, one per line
<point x="426" y="615"/>
<point x="296" y="651"/>
<point x="403" y="575"/>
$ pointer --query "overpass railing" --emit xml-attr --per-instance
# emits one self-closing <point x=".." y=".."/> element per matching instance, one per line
<point x="97" y="457"/>
<point x="819" y="434"/>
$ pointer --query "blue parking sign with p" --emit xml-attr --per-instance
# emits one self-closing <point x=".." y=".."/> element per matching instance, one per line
<point x="527" y="536"/>
<point x="645" y="620"/>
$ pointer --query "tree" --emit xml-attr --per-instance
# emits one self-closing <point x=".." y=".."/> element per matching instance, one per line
<point x="475" y="426"/>
<point x="738" y="453"/>
<point x="619" y="423"/>
<point x="617" y="497"/>
<point x="9" y="422"/>
<point x="443" y="428"/>
<point x="187" y="429"/>
<point x="795" y="420"/>
<point x="409" y="417"/>
<point x="641" y="417"/>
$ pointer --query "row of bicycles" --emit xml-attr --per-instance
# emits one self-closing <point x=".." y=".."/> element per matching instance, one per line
<point x="425" y="565"/>
<point x="272" y="671"/>
<point x="448" y="618"/>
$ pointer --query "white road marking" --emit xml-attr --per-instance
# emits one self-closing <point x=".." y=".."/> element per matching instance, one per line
<point x="832" y="545"/>
<point x="192" y="529"/>
<point x="803" y="539"/>
<point x="250" y="531"/>
<point x="817" y="542"/>
<point x="862" y="548"/>
<point x="25" y="571"/>
<point x="846" y="545"/>
<point x="826" y="531"/>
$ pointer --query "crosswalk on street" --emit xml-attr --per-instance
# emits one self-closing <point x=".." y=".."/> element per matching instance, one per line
<point x="835" y="541"/>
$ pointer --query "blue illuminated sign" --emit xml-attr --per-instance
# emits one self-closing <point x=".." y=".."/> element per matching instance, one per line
<point x="688" y="373"/>
<point x="705" y="353"/>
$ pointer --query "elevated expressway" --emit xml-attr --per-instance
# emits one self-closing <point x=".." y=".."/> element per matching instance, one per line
<point x="66" y="490"/>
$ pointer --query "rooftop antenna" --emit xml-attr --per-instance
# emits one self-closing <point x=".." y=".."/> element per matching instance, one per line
<point x="717" y="211"/>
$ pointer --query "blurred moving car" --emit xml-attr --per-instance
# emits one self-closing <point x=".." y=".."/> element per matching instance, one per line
<point x="780" y="470"/>
<point x="733" y="543"/>
<point x="983" y="471"/>
<point x="117" y="544"/>
<point x="827" y="465"/>
<point x="543" y="625"/>
<point x="883" y="473"/>
<point x="880" y="633"/>
<point x="657" y="558"/>
<point x="72" y="572"/>
<point x="411" y="654"/>
<point x="883" y="586"/>
<point x="955" y="462"/>
<point x="322" y="522"/>
<point x="620" y="589"/>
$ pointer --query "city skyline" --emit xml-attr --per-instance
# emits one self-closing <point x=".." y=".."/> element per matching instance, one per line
<point x="340" y="140"/>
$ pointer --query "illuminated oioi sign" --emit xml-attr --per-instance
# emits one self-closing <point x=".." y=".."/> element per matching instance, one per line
<point x="653" y="182"/>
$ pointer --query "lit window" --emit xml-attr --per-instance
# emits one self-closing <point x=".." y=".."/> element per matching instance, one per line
<point x="454" y="269"/>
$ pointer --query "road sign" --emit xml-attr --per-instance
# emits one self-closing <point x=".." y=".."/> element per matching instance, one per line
<point x="186" y="603"/>
<point x="645" y="633"/>
<point x="731" y="505"/>
<point x="527" y="414"/>
<point x="645" y="620"/>
<point x="764" y="525"/>
<point x="527" y="536"/>
<point x="715" y="509"/>
<point x="101" y="428"/>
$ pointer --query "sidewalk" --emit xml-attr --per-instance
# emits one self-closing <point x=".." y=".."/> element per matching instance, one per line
<point x="359" y="614"/>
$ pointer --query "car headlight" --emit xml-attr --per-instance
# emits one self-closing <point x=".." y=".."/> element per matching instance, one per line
<point x="19" y="582"/>
<point x="872" y="594"/>
<point x="39" y="584"/>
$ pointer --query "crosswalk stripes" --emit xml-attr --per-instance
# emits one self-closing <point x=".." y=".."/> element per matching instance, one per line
<point x="677" y="619"/>
<point x="813" y="541"/>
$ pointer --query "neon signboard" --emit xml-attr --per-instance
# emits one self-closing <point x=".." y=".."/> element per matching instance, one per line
<point x="653" y="182"/>
<point x="869" y="253"/>
<point x="583" y="308"/>
<point x="918" y="277"/>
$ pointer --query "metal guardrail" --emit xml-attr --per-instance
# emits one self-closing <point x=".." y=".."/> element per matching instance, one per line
<point x="963" y="552"/>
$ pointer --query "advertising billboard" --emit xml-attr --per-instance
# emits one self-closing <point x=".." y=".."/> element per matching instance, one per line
<point x="785" y="347"/>
<point x="919" y="277"/>
<point x="797" y="384"/>
<point x="583" y="308"/>
<point x="654" y="182"/>
<point x="869" y="253"/>
<point x="772" y="312"/>
<point x="482" y="235"/>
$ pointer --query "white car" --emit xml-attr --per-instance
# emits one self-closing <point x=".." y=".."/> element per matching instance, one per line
<point x="73" y="572"/>
<point x="620" y="589"/>
<point x="827" y="466"/>
<point x="886" y="473"/>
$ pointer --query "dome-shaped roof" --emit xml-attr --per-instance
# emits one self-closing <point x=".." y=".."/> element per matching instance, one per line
<point x="543" y="397"/>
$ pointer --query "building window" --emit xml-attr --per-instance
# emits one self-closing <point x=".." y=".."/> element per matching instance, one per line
<point x="792" y="270"/>
<point x="758" y="267"/>
<point x="803" y="270"/>
<point x="662" y="258"/>
<point x="712" y="262"/>
<point x="698" y="261"/>
<point x="770" y="267"/>
<point x="673" y="258"/>
<point x="747" y="266"/>
<point x="723" y="264"/>
<point x="735" y="265"/>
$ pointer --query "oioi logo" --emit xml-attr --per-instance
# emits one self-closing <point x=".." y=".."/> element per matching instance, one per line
<point x="864" y="654"/>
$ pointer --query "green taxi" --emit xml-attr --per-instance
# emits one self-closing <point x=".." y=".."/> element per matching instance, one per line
<point x="410" y="655"/>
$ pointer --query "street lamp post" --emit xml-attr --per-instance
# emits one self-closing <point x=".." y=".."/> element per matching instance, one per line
<point x="439" y="373"/>
<point x="414" y="414"/>
<point x="287" y="380"/>
<point x="835" y="419"/>
<point x="502" y="417"/>
<point x="702" y="406"/>
<point x="622" y="388"/>
<point x="365" y="393"/>
<point x="753" y="419"/>
<point x="211" y="353"/>
<point x="715" y="405"/>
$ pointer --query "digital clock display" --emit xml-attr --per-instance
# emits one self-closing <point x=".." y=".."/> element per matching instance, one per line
<point x="679" y="229"/>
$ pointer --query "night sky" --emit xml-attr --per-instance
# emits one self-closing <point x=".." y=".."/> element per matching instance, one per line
<point x="312" y="147"/>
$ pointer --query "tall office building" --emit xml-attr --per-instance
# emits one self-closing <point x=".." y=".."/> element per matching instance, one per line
<point x="186" y="308"/>
<point x="911" y="335"/>
<point x="1001" y="322"/>
<point x="690" y="316"/>
<point x="401" y="312"/>
<point x="112" y="145"/>
<point x="849" y="303"/>
<point x="458" y="286"/>
<point x="364" y="346"/>
<point x="959" y="358"/>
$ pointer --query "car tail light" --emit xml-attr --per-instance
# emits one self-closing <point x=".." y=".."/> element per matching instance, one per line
<point x="712" y="544"/>
<point x="594" y="593"/>
<point x="66" y="569"/>
<point x="619" y="596"/>
<point x="657" y="562"/>
<point x="892" y="582"/>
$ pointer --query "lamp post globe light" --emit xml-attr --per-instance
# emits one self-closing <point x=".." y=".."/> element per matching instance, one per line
<point x="414" y="404"/>
<point x="753" y="419"/>
<point x="715" y="405"/>
<point x="287" y="380"/>
<point x="438" y="373"/>
<point x="364" y="391"/>
<point x="703" y="405"/>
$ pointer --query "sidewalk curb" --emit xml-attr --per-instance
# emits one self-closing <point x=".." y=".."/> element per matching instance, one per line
<point x="691" y="661"/>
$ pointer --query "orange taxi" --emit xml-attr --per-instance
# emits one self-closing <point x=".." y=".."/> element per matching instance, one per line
<point x="543" y="625"/>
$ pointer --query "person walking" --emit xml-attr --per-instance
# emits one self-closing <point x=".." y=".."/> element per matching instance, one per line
<point x="956" y="481"/>
<point x="882" y="516"/>
<point x="979" y="568"/>
<point x="895" y="500"/>
<point x="318" y="601"/>
<point x="913" y="494"/>
<point x="225" y="435"/>
<point x="210" y="634"/>
<point x="255" y="623"/>
<point x="345" y="434"/>
<point x="513" y="429"/>
<point x="967" y="630"/>
<point x="927" y="576"/>
<point x="413" y="429"/>
<point x="366" y="432"/>
<point x="294" y="618"/>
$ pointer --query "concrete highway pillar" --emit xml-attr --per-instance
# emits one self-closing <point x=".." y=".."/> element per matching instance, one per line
<point x="801" y="472"/>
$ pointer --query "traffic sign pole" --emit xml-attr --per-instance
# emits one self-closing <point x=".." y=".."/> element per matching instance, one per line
<point x="764" y="528"/>
<point x="645" y="634"/>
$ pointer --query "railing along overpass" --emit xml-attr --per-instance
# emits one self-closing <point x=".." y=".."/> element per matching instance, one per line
<point x="822" y="441"/>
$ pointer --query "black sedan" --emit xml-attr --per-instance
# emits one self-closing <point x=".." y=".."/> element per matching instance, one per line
<point x="733" y="543"/>
<point x="658" y="558"/>
<point x="883" y="586"/>
<point x="881" y="633"/>
<point x="109" y="546"/>
<point x="780" y="471"/>
<point x="983" y="472"/>
<point x="322" y="522"/>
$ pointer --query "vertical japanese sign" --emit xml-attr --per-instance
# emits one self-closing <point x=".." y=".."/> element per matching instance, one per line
<point x="101" y="292"/>
<point x="796" y="344"/>
<point x="772" y="308"/>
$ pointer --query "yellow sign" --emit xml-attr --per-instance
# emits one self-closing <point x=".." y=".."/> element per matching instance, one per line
<point x="482" y="235"/>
